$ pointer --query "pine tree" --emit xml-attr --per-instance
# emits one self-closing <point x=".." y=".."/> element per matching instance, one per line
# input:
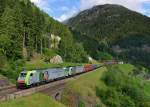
<point x="2" y="6"/>
<point x="11" y="29"/>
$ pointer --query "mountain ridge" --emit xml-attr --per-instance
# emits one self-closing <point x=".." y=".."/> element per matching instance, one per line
<point x="109" y="24"/>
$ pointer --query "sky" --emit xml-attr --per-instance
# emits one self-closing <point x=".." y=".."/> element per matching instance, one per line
<point x="62" y="10"/>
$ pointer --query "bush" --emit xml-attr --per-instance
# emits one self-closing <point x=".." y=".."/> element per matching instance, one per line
<point x="12" y="69"/>
<point x="81" y="104"/>
<point x="112" y="98"/>
<point x="3" y="60"/>
<point x="49" y="52"/>
<point x="122" y="90"/>
<point x="114" y="80"/>
<point x="135" y="92"/>
<point x="126" y="101"/>
<point x="104" y="56"/>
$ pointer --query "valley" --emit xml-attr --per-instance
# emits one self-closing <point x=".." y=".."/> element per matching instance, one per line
<point x="107" y="44"/>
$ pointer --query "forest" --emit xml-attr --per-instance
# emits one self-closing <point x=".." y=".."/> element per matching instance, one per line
<point x="26" y="30"/>
<point x="104" y="27"/>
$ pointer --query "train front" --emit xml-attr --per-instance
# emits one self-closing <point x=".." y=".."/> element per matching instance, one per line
<point x="21" y="80"/>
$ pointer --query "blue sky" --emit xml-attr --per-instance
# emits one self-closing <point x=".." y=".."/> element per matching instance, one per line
<point x="64" y="9"/>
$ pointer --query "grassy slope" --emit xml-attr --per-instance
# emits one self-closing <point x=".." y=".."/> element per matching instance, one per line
<point x="128" y="68"/>
<point x="147" y="87"/>
<point x="36" y="100"/>
<point x="84" y="87"/>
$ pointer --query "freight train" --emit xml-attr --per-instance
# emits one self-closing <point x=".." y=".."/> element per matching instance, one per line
<point x="31" y="78"/>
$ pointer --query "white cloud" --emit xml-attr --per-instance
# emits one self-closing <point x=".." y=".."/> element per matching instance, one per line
<point x="36" y="1"/>
<point x="68" y="14"/>
<point x="45" y="5"/>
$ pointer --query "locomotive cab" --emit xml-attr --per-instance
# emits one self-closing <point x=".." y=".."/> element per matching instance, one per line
<point x="21" y="79"/>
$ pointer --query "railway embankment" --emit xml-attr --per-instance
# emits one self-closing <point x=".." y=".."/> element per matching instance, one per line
<point x="53" y="89"/>
<point x="101" y="86"/>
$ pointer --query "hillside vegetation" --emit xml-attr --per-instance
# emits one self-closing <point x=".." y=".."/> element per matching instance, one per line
<point x="81" y="92"/>
<point x="114" y="86"/>
<point x="36" y="100"/>
<point x="113" y="29"/>
<point x="26" y="31"/>
<point x="124" y="89"/>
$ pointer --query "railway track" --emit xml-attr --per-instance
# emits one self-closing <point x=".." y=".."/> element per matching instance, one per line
<point x="7" y="87"/>
<point x="8" y="90"/>
<point x="10" y="93"/>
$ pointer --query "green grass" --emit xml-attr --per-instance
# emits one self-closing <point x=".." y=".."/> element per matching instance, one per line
<point x="86" y="83"/>
<point x="147" y="87"/>
<point x="35" y="100"/>
<point x="85" y="86"/>
<point x="126" y="68"/>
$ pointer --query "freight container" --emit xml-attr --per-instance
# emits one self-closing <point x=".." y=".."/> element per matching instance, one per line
<point x="94" y="66"/>
<point x="88" y="67"/>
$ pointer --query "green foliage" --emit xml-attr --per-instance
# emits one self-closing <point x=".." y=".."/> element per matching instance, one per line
<point x="73" y="52"/>
<point x="135" y="48"/>
<point x="83" y="89"/>
<point x="109" y="22"/>
<point x="114" y="80"/>
<point x="12" y="69"/>
<point x="81" y="104"/>
<point x="104" y="56"/>
<point x="10" y="29"/>
<point x="122" y="90"/>
<point x="49" y="52"/>
<point x="35" y="100"/>
<point x="20" y="30"/>
<point x="102" y="27"/>
<point x="3" y="60"/>
<point x="25" y="30"/>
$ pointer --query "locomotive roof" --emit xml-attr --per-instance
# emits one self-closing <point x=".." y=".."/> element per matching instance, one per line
<point x="47" y="68"/>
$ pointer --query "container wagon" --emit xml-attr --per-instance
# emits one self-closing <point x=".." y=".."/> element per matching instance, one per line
<point x="36" y="77"/>
<point x="88" y="67"/>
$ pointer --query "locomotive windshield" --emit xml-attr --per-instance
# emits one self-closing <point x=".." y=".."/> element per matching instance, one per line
<point x="23" y="74"/>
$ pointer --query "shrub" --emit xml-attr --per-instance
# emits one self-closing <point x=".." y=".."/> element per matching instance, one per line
<point x="126" y="101"/>
<point x="3" y="60"/>
<point x="49" y="52"/>
<point x="122" y="90"/>
<point x="104" y="56"/>
<point x="81" y="104"/>
<point x="110" y="97"/>
<point x="113" y="80"/>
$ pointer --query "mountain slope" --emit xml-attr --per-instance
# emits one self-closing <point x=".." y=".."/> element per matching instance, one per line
<point x="109" y="22"/>
<point x="100" y="88"/>
<point x="113" y="29"/>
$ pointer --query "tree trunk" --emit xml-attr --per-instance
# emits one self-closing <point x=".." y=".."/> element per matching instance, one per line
<point x="41" y="47"/>
<point x="36" y="47"/>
